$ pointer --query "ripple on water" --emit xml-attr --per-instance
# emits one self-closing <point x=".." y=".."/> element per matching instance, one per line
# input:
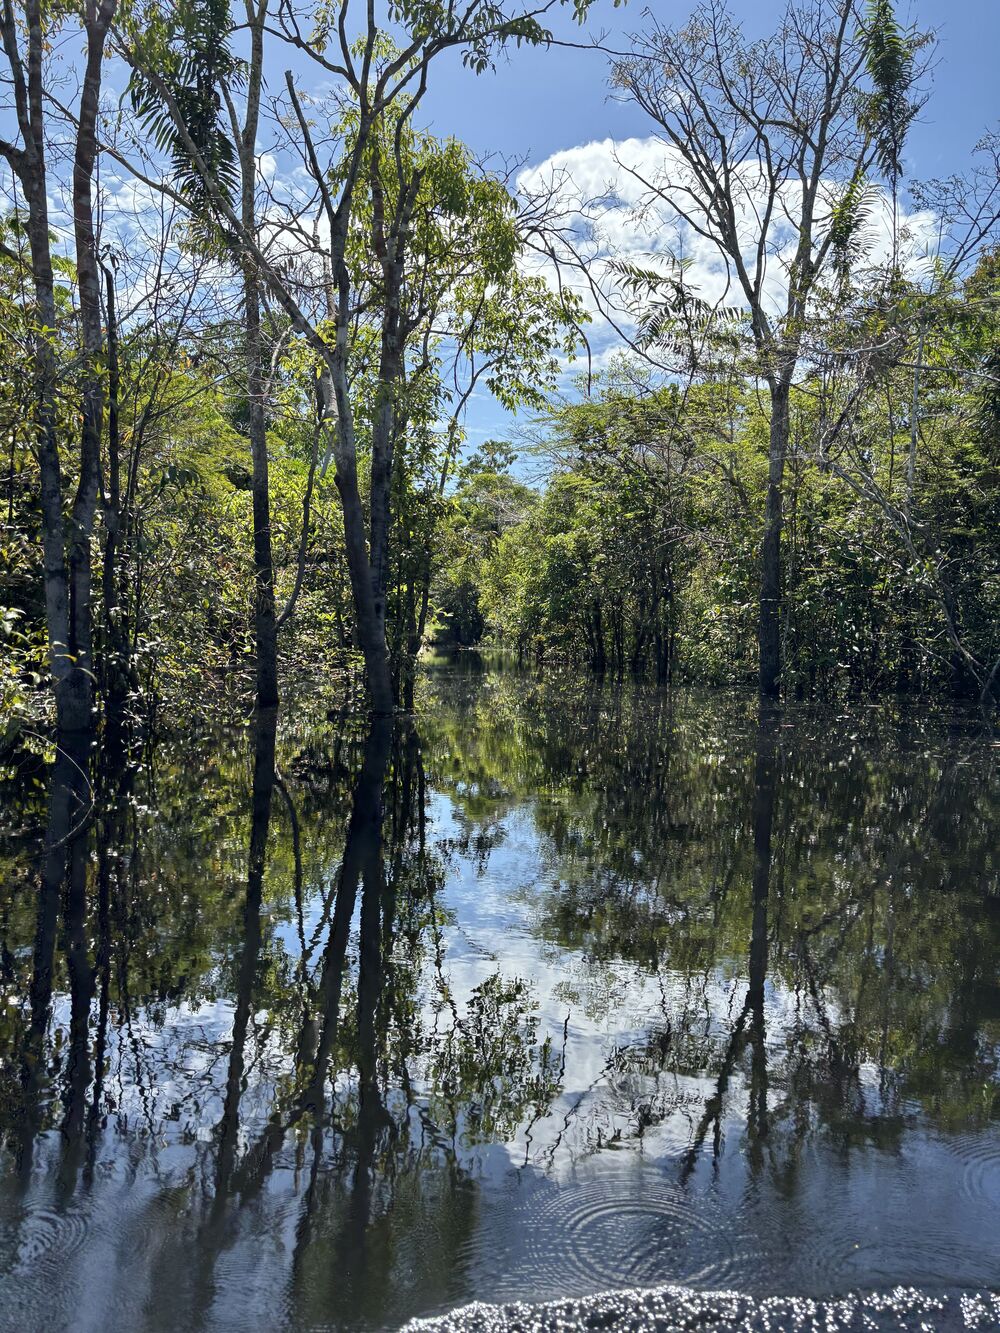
<point x="47" y="1237"/>
<point x="979" y="1155"/>
<point x="896" y="1218"/>
<point x="612" y="1228"/>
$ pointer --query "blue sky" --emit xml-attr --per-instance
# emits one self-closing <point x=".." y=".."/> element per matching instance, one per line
<point x="541" y="102"/>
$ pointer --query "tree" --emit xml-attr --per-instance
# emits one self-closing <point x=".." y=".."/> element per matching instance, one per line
<point x="384" y="85"/>
<point x="215" y="164"/>
<point x="67" y="560"/>
<point x="769" y="142"/>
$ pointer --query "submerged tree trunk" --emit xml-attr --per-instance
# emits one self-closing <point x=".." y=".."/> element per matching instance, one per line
<point x="63" y="878"/>
<point x="80" y="641"/>
<point x="265" y="618"/>
<point x="769" y="634"/>
<point x="361" y="861"/>
<point x="265" y="731"/>
<point x="67" y="583"/>
<point x="765" y="784"/>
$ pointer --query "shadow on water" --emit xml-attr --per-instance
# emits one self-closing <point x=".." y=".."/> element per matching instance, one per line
<point x="550" y="990"/>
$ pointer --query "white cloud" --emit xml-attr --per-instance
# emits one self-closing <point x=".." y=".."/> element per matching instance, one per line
<point x="612" y="201"/>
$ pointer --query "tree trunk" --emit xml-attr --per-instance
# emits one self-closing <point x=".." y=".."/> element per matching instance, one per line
<point x="390" y="246"/>
<point x="383" y="442"/>
<point x="117" y="669"/>
<point x="599" y="658"/>
<point x="260" y="824"/>
<point x="54" y="573"/>
<point x="369" y="608"/>
<point x="265" y="619"/>
<point x="92" y="387"/>
<point x="770" y="575"/>
<point x="391" y="372"/>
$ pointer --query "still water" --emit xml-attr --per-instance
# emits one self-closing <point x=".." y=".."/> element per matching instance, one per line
<point x="556" y="990"/>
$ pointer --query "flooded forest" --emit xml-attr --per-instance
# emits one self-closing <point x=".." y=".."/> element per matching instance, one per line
<point x="499" y="667"/>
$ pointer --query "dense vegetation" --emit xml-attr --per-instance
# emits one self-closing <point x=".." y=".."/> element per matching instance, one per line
<point x="234" y="392"/>
<point x="641" y="554"/>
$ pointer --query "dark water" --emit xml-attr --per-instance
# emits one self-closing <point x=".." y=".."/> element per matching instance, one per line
<point x="558" y="990"/>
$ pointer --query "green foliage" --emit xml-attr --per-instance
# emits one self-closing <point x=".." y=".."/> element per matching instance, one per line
<point x="672" y="317"/>
<point x="480" y="29"/>
<point x="982" y="292"/>
<point x="641" y="554"/>
<point x="890" y="58"/>
<point x="187" y="45"/>
<point x="604" y="568"/>
<point x="850" y="216"/>
<point x="486" y="503"/>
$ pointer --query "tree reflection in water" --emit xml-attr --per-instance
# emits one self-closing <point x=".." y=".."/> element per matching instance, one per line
<point x="337" y="1026"/>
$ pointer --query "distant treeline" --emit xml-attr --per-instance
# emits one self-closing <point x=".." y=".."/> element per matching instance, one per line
<point x="641" y="553"/>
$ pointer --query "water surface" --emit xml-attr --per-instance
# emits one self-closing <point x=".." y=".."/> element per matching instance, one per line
<point x="553" y="990"/>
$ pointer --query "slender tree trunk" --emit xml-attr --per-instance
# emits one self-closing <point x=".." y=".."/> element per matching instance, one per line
<point x="600" y="661"/>
<point x="383" y="433"/>
<point x="92" y="387"/>
<point x="369" y="609"/>
<point x="265" y="618"/>
<point x="390" y="246"/>
<point x="770" y="577"/>
<point x="54" y="572"/>
<point x="117" y="670"/>
<point x="911" y="460"/>
<point x="391" y="372"/>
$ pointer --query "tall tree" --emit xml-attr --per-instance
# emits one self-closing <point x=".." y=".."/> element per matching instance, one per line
<point x="384" y="86"/>
<point x="265" y="619"/>
<point x="67" y="563"/>
<point x="764" y="138"/>
<point x="213" y="146"/>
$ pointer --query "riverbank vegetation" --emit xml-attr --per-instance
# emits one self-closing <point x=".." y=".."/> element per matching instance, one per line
<point x="242" y="325"/>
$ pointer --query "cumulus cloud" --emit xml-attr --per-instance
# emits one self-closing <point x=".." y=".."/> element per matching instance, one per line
<point x="633" y="200"/>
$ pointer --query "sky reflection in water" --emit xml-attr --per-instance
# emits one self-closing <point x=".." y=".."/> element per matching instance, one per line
<point x="632" y="989"/>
